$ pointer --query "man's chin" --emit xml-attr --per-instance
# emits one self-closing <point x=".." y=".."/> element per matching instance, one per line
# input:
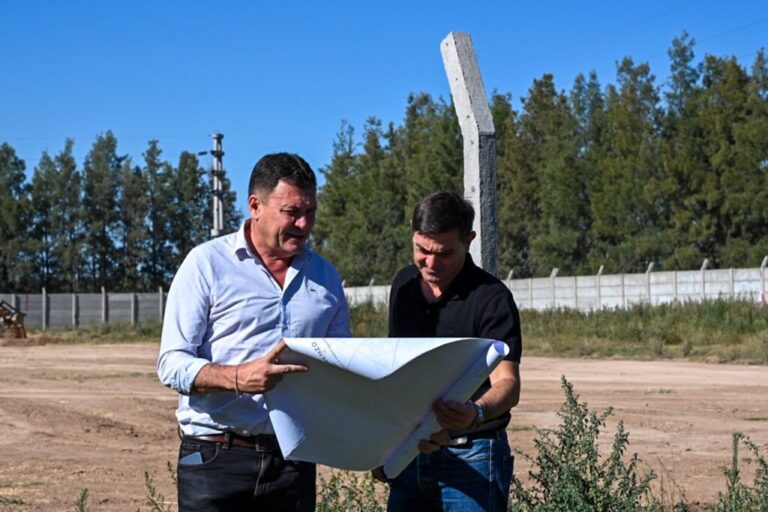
<point x="293" y="247"/>
<point x="430" y="278"/>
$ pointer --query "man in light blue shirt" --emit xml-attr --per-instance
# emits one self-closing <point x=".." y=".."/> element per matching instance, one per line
<point x="231" y="303"/>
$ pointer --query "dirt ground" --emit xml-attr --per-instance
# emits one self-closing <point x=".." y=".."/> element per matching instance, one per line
<point x="95" y="417"/>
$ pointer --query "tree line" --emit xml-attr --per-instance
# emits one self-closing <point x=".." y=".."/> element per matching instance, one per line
<point x="107" y="224"/>
<point x="620" y="176"/>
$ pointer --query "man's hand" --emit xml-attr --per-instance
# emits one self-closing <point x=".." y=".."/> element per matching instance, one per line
<point x="435" y="442"/>
<point x="261" y="375"/>
<point x="257" y="376"/>
<point x="452" y="415"/>
<point x="378" y="474"/>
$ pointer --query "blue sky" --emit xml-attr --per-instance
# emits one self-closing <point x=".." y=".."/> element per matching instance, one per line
<point x="281" y="76"/>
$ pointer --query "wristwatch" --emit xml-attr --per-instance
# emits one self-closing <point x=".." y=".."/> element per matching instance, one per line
<point x="480" y="415"/>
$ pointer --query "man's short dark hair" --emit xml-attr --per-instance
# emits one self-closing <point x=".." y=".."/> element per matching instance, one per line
<point x="289" y="167"/>
<point x="442" y="212"/>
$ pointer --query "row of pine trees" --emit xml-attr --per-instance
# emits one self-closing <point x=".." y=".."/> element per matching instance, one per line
<point x="621" y="176"/>
<point x="110" y="224"/>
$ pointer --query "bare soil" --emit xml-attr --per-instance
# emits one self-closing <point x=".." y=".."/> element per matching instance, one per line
<point x="95" y="416"/>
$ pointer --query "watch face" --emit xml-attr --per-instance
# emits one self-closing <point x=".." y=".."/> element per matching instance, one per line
<point x="480" y="417"/>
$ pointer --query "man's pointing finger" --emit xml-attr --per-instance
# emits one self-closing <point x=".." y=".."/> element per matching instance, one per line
<point x="279" y="369"/>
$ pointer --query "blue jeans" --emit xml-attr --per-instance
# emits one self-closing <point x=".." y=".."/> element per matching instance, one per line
<point x="467" y="478"/>
<point x="234" y="478"/>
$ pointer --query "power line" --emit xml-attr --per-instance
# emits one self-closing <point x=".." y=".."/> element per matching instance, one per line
<point x="595" y="38"/>
<point x="706" y="39"/>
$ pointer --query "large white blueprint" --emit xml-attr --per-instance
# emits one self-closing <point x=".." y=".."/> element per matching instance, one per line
<point x="367" y="402"/>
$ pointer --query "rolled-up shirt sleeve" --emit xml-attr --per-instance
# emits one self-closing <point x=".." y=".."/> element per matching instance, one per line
<point x="184" y="325"/>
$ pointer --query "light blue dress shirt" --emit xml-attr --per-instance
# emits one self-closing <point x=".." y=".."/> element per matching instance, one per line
<point x="225" y="307"/>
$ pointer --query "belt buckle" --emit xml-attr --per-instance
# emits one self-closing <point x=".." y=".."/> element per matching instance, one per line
<point x="459" y="441"/>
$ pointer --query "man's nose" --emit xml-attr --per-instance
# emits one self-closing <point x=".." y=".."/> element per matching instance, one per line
<point x="303" y="222"/>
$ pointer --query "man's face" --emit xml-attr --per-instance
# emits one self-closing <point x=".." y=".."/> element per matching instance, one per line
<point x="282" y="220"/>
<point x="440" y="257"/>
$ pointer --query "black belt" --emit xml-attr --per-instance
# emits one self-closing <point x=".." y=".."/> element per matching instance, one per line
<point x="257" y="442"/>
<point x="468" y="438"/>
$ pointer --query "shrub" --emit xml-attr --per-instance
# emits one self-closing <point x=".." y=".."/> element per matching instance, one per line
<point x="738" y="495"/>
<point x="568" y="473"/>
<point x="348" y="491"/>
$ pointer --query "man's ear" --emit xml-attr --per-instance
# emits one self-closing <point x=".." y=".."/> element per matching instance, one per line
<point x="471" y="236"/>
<point x="253" y="205"/>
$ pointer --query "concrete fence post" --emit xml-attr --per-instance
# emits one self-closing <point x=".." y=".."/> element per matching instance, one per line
<point x="16" y="301"/>
<point x="575" y="292"/>
<point x="370" y="290"/>
<point x="45" y="309"/>
<point x="623" y="293"/>
<point x="733" y="285"/>
<point x="648" y="282"/>
<point x="552" y="276"/>
<point x="479" y="138"/>
<point x="530" y="292"/>
<point x="704" y="266"/>
<point x="674" y="276"/>
<point x="509" y="279"/>
<point x="134" y="310"/>
<point x="104" y="306"/>
<point x="762" y="278"/>
<point x="75" y="311"/>
<point x="599" y="287"/>
<point x="160" y="304"/>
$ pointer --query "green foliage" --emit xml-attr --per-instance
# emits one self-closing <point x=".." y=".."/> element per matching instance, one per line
<point x="43" y="196"/>
<point x="116" y="332"/>
<point x="100" y="192"/>
<point x="112" y="224"/>
<point x="368" y="320"/>
<point x="155" y="500"/>
<point x="349" y="211"/>
<point x="739" y="496"/>
<point x="12" y="219"/>
<point x="618" y="176"/>
<point x="570" y="474"/>
<point x="131" y="231"/>
<point x="714" y="330"/>
<point x="159" y="193"/>
<point x="191" y="221"/>
<point x="347" y="491"/>
<point x="81" y="504"/>
<point x="368" y="197"/>
<point x="11" y="501"/>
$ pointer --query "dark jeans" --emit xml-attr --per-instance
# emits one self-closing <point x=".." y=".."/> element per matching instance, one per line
<point x="234" y="478"/>
<point x="472" y="477"/>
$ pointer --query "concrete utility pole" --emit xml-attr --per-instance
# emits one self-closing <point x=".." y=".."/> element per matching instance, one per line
<point x="479" y="144"/>
<point x="217" y="186"/>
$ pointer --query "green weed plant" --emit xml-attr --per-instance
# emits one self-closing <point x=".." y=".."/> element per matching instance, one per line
<point x="568" y="472"/>
<point x="348" y="491"/>
<point x="740" y="496"/>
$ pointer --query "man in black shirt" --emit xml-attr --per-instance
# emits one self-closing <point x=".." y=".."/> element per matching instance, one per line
<point x="467" y="465"/>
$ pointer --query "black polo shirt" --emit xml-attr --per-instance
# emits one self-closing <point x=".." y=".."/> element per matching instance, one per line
<point x="475" y="305"/>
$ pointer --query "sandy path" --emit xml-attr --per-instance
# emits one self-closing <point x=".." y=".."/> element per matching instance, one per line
<point x="95" y="416"/>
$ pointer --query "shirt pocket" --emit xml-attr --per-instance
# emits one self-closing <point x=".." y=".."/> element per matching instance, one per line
<point x="311" y="312"/>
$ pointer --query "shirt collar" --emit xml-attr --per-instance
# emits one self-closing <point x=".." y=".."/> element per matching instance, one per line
<point x="241" y="244"/>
